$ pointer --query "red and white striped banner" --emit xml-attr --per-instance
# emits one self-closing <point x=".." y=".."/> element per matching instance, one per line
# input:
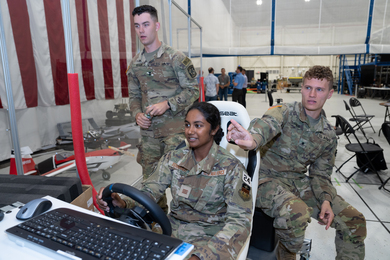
<point x="102" y="39"/>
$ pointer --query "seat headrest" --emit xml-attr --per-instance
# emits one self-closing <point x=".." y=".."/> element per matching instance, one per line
<point x="231" y="110"/>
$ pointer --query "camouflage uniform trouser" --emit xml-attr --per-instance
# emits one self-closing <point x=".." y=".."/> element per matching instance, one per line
<point x="149" y="153"/>
<point x="292" y="203"/>
<point x="194" y="234"/>
<point x="203" y="239"/>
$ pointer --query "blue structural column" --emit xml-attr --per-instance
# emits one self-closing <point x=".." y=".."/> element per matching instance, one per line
<point x="339" y="81"/>
<point x="189" y="28"/>
<point x="369" y="24"/>
<point x="342" y="76"/>
<point x="273" y="28"/>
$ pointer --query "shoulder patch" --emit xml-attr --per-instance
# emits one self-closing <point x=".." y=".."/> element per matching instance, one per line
<point x="246" y="179"/>
<point x="191" y="71"/>
<point x="186" y="61"/>
<point x="244" y="194"/>
<point x="274" y="107"/>
<point x="246" y="187"/>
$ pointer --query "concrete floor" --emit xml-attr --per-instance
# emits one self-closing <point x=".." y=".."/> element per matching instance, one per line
<point x="362" y="192"/>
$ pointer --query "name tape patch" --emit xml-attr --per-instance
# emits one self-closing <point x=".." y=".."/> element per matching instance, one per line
<point x="185" y="191"/>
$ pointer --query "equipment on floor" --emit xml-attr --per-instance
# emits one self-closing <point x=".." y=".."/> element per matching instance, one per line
<point x="96" y="160"/>
<point x="97" y="137"/>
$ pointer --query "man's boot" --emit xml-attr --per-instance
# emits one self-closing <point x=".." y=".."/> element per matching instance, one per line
<point x="283" y="254"/>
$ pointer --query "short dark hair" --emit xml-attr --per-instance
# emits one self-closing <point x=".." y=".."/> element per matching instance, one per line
<point x="146" y="9"/>
<point x="320" y="73"/>
<point x="212" y="116"/>
<point x="211" y="69"/>
<point x="240" y="68"/>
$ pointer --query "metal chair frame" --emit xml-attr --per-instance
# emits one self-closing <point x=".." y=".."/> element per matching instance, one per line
<point x="386" y="132"/>
<point x="354" y="102"/>
<point x="364" y="148"/>
<point x="359" y="122"/>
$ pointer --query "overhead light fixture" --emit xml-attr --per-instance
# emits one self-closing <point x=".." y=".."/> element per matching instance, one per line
<point x="259" y="2"/>
<point x="307" y="0"/>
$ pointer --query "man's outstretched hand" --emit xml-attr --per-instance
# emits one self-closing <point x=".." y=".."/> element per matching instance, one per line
<point x="240" y="136"/>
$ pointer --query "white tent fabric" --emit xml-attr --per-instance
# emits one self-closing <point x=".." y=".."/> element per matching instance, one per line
<point x="315" y="27"/>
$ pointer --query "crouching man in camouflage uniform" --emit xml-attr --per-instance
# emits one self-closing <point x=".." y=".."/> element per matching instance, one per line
<point x="162" y="86"/>
<point x="293" y="137"/>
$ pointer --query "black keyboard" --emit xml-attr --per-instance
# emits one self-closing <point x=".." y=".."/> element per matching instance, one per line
<point x="91" y="237"/>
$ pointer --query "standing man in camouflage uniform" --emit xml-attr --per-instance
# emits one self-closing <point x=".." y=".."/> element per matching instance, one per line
<point x="292" y="138"/>
<point x="162" y="86"/>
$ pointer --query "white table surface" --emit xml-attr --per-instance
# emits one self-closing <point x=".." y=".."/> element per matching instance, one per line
<point x="12" y="250"/>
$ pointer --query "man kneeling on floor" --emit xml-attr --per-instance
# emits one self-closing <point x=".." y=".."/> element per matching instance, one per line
<point x="295" y="137"/>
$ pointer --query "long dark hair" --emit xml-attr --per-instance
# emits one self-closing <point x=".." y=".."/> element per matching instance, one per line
<point x="211" y="114"/>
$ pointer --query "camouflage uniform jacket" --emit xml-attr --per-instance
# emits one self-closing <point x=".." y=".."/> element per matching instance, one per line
<point x="170" y="76"/>
<point x="289" y="145"/>
<point x="209" y="194"/>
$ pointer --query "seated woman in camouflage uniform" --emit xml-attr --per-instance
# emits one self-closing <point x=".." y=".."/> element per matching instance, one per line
<point x="211" y="205"/>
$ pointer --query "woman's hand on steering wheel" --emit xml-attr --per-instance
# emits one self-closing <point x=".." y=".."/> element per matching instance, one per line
<point x="117" y="201"/>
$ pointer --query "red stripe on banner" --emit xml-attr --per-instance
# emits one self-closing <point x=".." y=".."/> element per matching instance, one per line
<point x="1" y="105"/>
<point x="85" y="48"/>
<point x="106" y="51"/>
<point x="24" y="50"/>
<point x="55" y="33"/>
<point x="122" y="47"/>
<point x="133" y="37"/>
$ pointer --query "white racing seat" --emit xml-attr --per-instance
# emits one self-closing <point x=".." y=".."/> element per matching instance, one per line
<point x="251" y="160"/>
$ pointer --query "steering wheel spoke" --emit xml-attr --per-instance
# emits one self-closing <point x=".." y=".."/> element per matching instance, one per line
<point x="142" y="217"/>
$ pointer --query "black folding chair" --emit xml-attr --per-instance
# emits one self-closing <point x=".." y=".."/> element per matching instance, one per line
<point x="357" y="120"/>
<point x="386" y="132"/>
<point x="337" y="128"/>
<point x="359" y="149"/>
<point x="354" y="102"/>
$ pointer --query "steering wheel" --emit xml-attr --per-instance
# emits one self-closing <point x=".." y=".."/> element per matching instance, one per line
<point x="153" y="213"/>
